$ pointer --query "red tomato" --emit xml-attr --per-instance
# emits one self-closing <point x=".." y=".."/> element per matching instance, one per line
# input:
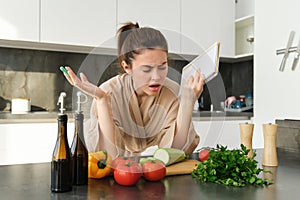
<point x="119" y="160"/>
<point x="128" y="173"/>
<point x="154" y="170"/>
<point x="203" y="154"/>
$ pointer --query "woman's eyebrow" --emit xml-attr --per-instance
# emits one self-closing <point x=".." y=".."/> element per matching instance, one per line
<point x="148" y="66"/>
<point x="151" y="66"/>
<point x="165" y="62"/>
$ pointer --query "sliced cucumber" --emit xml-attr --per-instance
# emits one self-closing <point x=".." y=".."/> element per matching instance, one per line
<point x="169" y="155"/>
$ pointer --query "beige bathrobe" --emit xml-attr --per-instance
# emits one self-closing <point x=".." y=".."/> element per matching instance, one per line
<point x="138" y="127"/>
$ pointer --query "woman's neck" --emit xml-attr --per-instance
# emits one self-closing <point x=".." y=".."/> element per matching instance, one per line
<point x="141" y="98"/>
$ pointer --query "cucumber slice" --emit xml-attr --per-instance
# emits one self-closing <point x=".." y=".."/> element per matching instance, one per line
<point x="169" y="155"/>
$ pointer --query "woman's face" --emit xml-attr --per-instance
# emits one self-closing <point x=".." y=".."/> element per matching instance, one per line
<point x="149" y="70"/>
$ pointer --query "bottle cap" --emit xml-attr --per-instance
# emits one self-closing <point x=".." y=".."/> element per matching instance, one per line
<point x="62" y="117"/>
<point x="78" y="116"/>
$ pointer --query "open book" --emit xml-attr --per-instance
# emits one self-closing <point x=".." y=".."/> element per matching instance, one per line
<point x="207" y="63"/>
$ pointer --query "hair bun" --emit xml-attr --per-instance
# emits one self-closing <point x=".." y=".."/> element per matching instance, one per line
<point x="137" y="25"/>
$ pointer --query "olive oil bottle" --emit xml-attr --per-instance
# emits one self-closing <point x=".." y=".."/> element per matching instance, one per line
<point x="61" y="164"/>
<point x="78" y="149"/>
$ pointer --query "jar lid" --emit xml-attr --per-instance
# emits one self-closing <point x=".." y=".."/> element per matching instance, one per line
<point x="21" y="99"/>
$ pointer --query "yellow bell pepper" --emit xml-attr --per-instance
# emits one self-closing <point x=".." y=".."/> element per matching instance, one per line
<point x="99" y="164"/>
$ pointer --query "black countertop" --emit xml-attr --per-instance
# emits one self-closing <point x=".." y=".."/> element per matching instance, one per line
<point x="32" y="181"/>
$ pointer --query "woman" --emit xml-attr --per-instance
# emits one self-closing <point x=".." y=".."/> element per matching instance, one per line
<point x="141" y="107"/>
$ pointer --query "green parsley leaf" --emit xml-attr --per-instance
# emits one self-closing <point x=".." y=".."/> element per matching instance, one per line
<point x="230" y="167"/>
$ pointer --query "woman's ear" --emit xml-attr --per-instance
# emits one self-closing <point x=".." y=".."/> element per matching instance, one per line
<point x="125" y="67"/>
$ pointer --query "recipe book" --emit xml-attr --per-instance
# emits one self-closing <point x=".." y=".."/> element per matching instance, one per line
<point x="207" y="63"/>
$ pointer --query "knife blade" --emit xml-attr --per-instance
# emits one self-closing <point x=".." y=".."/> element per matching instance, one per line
<point x="286" y="52"/>
<point x="296" y="58"/>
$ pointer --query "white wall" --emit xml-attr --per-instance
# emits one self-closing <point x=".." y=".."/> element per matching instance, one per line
<point x="276" y="94"/>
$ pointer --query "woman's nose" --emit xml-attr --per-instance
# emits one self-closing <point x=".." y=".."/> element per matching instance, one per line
<point x="155" y="75"/>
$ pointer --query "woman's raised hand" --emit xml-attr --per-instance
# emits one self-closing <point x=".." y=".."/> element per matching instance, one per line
<point x="194" y="86"/>
<point x="83" y="84"/>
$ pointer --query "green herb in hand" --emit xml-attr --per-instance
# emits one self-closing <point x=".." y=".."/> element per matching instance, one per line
<point x="230" y="167"/>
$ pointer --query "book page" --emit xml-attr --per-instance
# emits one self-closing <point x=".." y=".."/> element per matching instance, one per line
<point x="207" y="63"/>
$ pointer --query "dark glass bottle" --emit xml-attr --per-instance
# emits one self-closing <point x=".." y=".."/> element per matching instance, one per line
<point x="79" y="153"/>
<point x="61" y="165"/>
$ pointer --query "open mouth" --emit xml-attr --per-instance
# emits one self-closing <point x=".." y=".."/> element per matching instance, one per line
<point x="154" y="87"/>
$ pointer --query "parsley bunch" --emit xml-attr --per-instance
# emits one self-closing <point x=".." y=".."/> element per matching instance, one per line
<point x="230" y="167"/>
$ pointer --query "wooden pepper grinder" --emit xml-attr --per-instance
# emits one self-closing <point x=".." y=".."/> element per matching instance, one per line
<point x="270" y="153"/>
<point x="246" y="133"/>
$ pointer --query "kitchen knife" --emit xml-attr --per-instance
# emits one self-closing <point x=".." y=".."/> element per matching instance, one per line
<point x="286" y="52"/>
<point x="296" y="59"/>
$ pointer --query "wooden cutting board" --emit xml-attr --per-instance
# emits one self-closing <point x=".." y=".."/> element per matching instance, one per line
<point x="184" y="167"/>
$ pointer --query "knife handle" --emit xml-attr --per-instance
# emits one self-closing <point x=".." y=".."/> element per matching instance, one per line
<point x="295" y="62"/>
<point x="282" y="65"/>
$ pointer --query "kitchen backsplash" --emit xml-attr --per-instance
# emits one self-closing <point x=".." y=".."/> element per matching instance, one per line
<point x="237" y="78"/>
<point x="35" y="74"/>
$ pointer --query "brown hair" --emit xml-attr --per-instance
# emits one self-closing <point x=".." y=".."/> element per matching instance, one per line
<point x="132" y="39"/>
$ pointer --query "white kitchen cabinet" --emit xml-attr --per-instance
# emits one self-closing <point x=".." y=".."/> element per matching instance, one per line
<point x="29" y="143"/>
<point x="244" y="27"/>
<point x="163" y="15"/>
<point x="19" y="20"/>
<point x="226" y="133"/>
<point x="244" y="8"/>
<point x="76" y="22"/>
<point x="205" y="22"/>
<point x="244" y="35"/>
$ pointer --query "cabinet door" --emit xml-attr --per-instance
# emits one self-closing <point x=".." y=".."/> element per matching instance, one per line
<point x="29" y="143"/>
<point x="205" y="22"/>
<point x="19" y="20"/>
<point x="163" y="15"/>
<point x="244" y="8"/>
<point x="230" y="134"/>
<point x="244" y="27"/>
<point x="76" y="22"/>
<point x="226" y="133"/>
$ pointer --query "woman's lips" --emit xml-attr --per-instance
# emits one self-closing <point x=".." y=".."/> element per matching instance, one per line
<point x="154" y="87"/>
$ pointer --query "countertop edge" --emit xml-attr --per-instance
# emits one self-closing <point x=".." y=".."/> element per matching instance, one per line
<point x="49" y="120"/>
<point x="51" y="117"/>
<point x="220" y="118"/>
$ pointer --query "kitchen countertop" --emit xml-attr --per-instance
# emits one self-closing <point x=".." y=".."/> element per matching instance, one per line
<point x="32" y="181"/>
<point x="50" y="117"/>
<point x="31" y="117"/>
<point x="220" y="115"/>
